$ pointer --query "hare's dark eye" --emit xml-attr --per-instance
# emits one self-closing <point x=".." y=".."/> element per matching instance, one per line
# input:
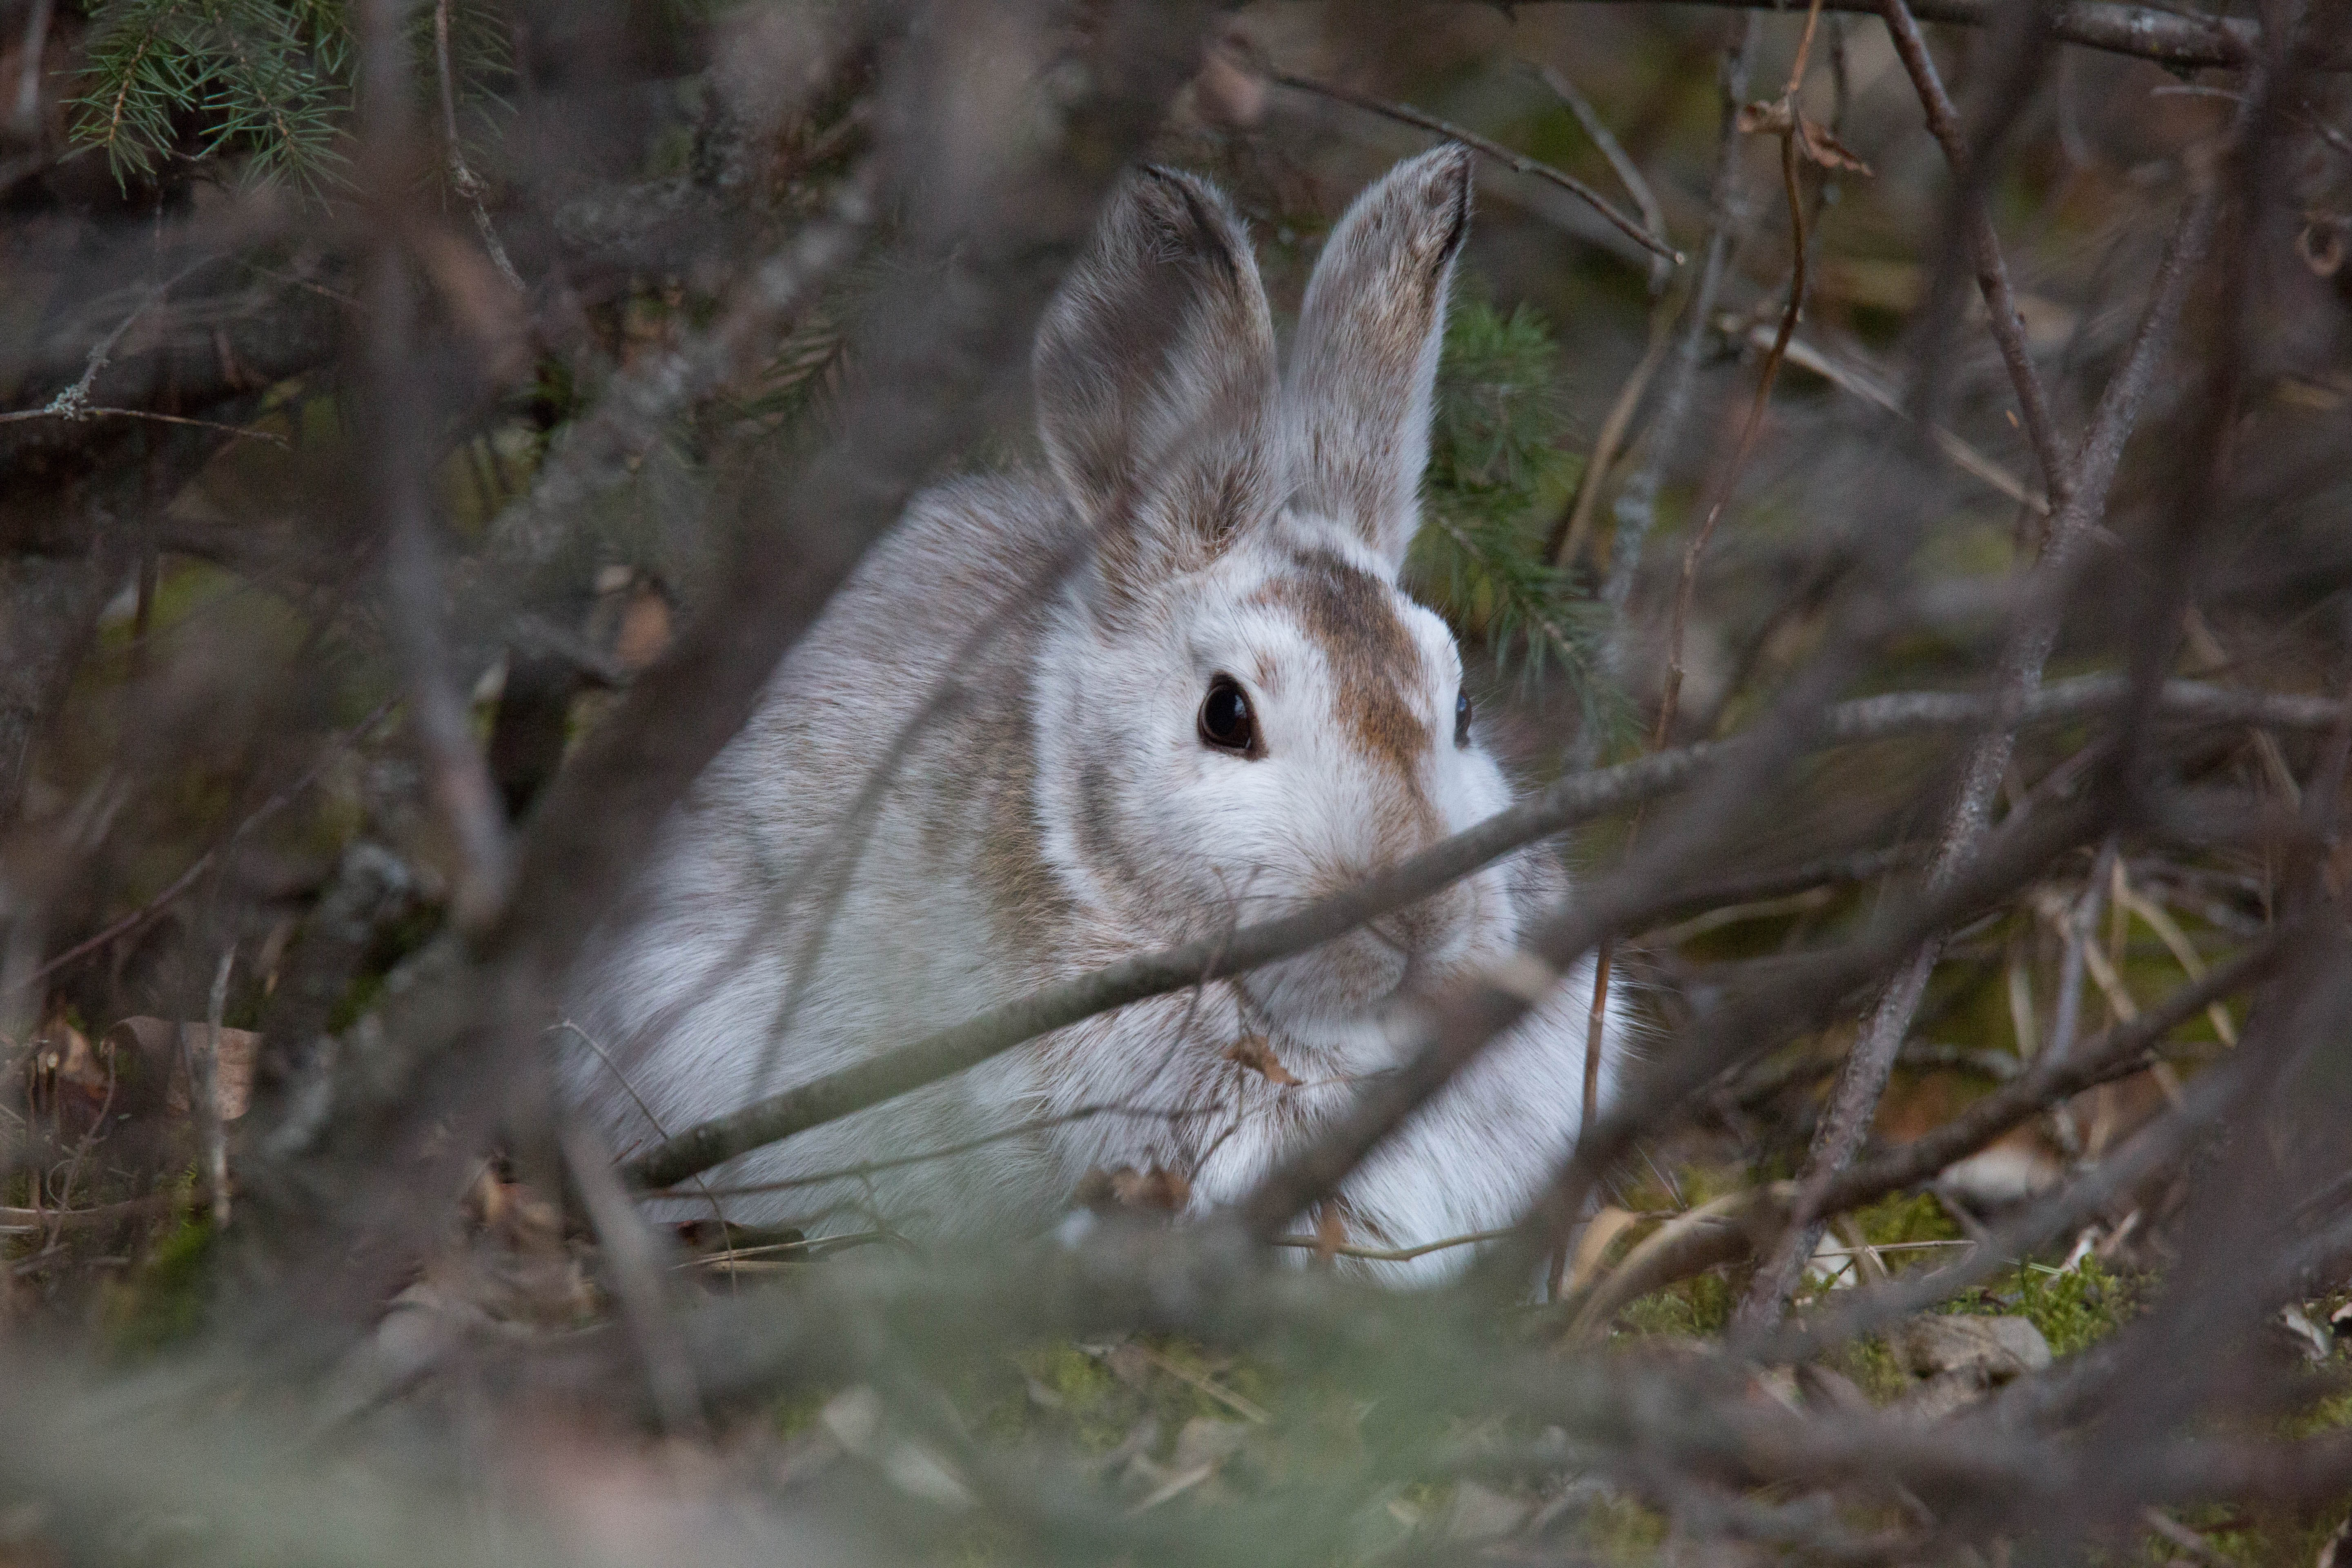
<point x="1226" y="721"/>
<point x="1461" y="718"/>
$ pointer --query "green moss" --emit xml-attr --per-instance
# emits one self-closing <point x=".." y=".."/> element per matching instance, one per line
<point x="2083" y="1305"/>
<point x="1688" y="1308"/>
<point x="1898" y="1220"/>
<point x="1623" y="1533"/>
<point x="1873" y="1366"/>
<point x="167" y="1301"/>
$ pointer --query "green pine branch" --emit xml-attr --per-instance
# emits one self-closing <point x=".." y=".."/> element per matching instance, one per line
<point x="265" y="84"/>
<point x="1498" y="474"/>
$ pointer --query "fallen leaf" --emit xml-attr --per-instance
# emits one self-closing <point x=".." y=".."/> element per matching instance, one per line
<point x="1256" y="1053"/>
<point x="1130" y="1191"/>
<point x="164" y="1047"/>
<point x="644" y="631"/>
<point x="1600" y="1231"/>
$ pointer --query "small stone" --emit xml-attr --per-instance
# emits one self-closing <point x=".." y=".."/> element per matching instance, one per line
<point x="1984" y="1351"/>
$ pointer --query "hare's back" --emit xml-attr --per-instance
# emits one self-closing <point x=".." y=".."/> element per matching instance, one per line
<point x="947" y="594"/>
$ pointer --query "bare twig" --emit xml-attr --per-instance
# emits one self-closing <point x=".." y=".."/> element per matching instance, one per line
<point x="84" y="411"/>
<point x="401" y="415"/>
<point x="631" y="1253"/>
<point x="1854" y="1101"/>
<point x="462" y="177"/>
<point x="2167" y="35"/>
<point x="1875" y="392"/>
<point x="1517" y="162"/>
<point x="26" y="111"/>
<point x="203" y="1091"/>
<point x="1628" y="172"/>
<point x="1984" y="250"/>
<point x="1575" y="798"/>
<point x="1636" y="507"/>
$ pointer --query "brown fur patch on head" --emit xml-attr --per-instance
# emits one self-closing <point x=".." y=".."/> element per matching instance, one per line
<point x="1375" y="662"/>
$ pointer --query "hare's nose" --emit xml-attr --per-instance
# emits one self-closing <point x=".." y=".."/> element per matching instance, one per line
<point x="1425" y="928"/>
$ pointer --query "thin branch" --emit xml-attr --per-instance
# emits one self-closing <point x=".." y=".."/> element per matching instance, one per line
<point x="1635" y="510"/>
<point x="1854" y="1101"/>
<point x="1984" y="250"/>
<point x="1387" y="1254"/>
<point x="1575" y="798"/>
<point x="203" y="1091"/>
<point x="461" y="175"/>
<point x="1628" y="172"/>
<point x="83" y="411"/>
<point x="634" y="1264"/>
<point x="1517" y="162"/>
<point x="400" y="415"/>
<point x="1875" y="392"/>
<point x="2169" y="37"/>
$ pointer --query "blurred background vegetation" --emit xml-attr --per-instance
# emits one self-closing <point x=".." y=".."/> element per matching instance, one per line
<point x="206" y="749"/>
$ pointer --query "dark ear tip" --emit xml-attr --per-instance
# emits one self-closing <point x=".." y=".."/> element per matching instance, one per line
<point x="1185" y="209"/>
<point x="1446" y="172"/>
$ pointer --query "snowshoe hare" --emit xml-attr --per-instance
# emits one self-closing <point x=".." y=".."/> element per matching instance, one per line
<point x="1181" y="688"/>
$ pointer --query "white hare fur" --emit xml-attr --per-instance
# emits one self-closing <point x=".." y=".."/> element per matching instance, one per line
<point x="1064" y="806"/>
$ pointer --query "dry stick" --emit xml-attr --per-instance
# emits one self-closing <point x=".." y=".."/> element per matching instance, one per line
<point x="1516" y="161"/>
<point x="865" y="1168"/>
<point x="1854" y="1101"/>
<point x="1568" y="533"/>
<point x="461" y="176"/>
<point x="26" y="111"/>
<point x="2145" y="32"/>
<point x="1636" y="507"/>
<point x="2117" y="1053"/>
<point x="1687" y="586"/>
<point x="1850" y="379"/>
<point x="73" y="402"/>
<point x="242" y="432"/>
<point x="1574" y="798"/>
<point x="1670" y="700"/>
<point x="632" y="1254"/>
<point x="204" y="1092"/>
<point x="400" y="416"/>
<point x="2007" y="325"/>
<point x="1629" y="173"/>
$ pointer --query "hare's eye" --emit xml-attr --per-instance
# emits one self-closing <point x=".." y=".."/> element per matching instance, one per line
<point x="1462" y="718"/>
<point x="1226" y="721"/>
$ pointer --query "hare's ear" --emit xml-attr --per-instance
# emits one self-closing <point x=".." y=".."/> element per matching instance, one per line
<point x="1155" y="379"/>
<point x="1356" y="407"/>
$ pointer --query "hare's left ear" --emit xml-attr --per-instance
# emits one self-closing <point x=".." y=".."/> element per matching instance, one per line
<point x="1155" y="381"/>
<point x="1355" y="404"/>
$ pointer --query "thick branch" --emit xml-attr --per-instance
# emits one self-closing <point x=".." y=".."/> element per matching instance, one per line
<point x="2164" y="37"/>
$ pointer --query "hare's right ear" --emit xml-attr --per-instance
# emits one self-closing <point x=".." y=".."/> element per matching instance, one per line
<point x="1364" y="367"/>
<point x="1155" y="380"/>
